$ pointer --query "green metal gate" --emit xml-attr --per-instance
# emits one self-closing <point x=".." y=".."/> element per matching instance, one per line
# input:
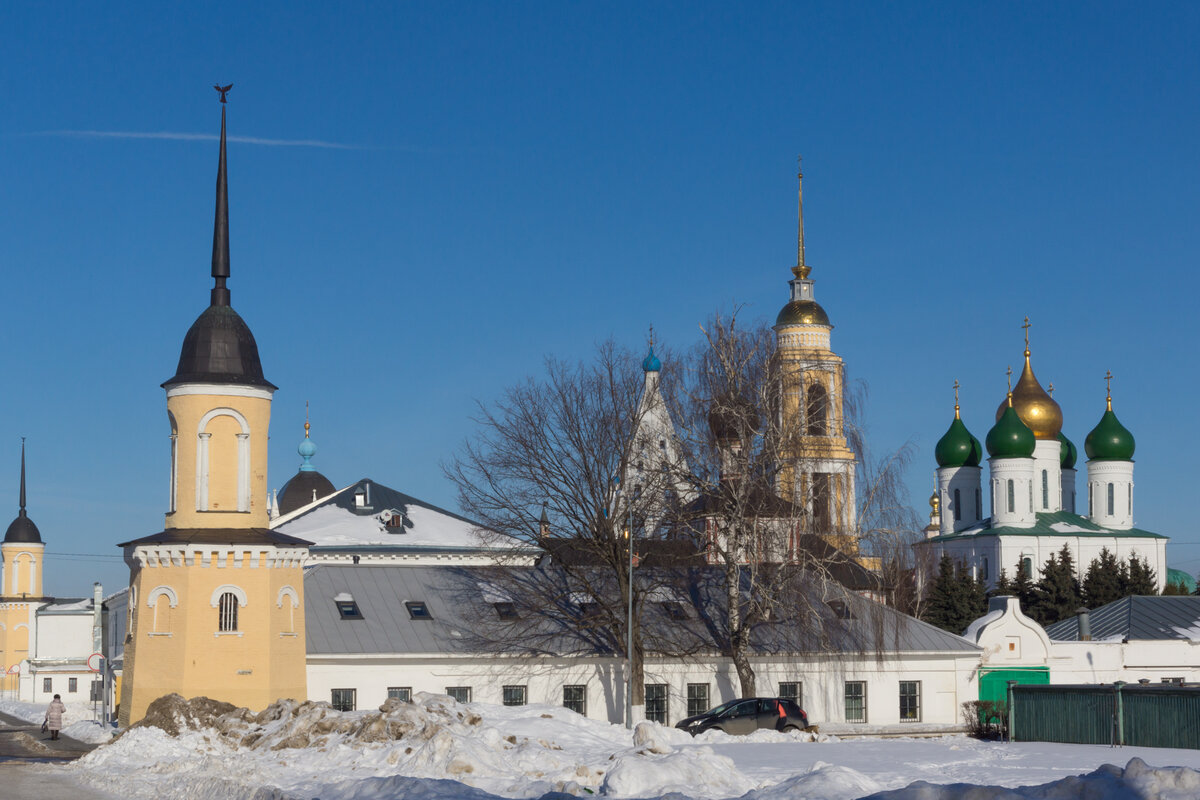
<point x="1132" y="714"/>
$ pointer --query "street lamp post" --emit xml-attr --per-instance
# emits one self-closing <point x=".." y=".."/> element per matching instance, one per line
<point x="629" y="633"/>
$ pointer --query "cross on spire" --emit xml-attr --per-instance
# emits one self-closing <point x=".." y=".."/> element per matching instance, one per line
<point x="956" y="399"/>
<point x="801" y="269"/>
<point x="1050" y="389"/>
<point x="1108" y="388"/>
<point x="651" y="335"/>
<point x="306" y="425"/>
<point x="1026" y="326"/>
<point x="1009" y="373"/>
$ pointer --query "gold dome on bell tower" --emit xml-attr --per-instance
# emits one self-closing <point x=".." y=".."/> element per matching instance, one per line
<point x="1035" y="407"/>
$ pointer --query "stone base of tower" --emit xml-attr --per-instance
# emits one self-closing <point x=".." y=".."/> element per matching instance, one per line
<point x="212" y="618"/>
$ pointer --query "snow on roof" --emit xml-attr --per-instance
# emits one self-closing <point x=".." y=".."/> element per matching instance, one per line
<point x="368" y="514"/>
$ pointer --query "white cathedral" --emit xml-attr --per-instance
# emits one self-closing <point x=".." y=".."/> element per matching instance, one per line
<point x="1031" y="491"/>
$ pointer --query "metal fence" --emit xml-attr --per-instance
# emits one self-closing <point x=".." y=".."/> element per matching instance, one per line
<point x="1118" y="713"/>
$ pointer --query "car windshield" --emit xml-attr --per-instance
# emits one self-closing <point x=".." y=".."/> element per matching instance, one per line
<point x="721" y="709"/>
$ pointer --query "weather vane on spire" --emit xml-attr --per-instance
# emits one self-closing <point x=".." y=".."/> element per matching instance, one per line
<point x="223" y="90"/>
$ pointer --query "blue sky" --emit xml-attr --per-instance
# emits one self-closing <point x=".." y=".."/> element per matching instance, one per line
<point x="484" y="184"/>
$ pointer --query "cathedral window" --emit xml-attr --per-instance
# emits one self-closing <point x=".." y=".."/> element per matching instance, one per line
<point x="817" y="410"/>
<point x="1031" y="497"/>
<point x="957" y="506"/>
<point x="983" y="569"/>
<point x="227" y="613"/>
<point x="1110" y="499"/>
<point x="1091" y="505"/>
<point x="1045" y="490"/>
<point x="978" y="504"/>
<point x="1130" y="488"/>
<point x="1012" y="502"/>
<point x="821" y="501"/>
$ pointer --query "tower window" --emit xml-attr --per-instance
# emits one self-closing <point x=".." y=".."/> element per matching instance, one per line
<point x="1130" y="488"/>
<point x="1012" y="502"/>
<point x="983" y="569"/>
<point x="821" y="501"/>
<point x="1031" y="497"/>
<point x="978" y="504"/>
<point x="1091" y="504"/>
<point x="227" y="613"/>
<point x="957" y="506"/>
<point x="1110" y="499"/>
<point x="818" y="410"/>
<point x="1045" y="490"/>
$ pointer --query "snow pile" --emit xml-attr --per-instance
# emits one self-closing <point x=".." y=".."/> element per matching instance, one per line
<point x="78" y="719"/>
<point x="1138" y="781"/>
<point x="202" y="749"/>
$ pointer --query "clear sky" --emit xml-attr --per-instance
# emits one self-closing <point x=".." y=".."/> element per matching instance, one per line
<point x="427" y="199"/>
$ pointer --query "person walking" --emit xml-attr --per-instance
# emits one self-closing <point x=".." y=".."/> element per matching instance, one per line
<point x="54" y="715"/>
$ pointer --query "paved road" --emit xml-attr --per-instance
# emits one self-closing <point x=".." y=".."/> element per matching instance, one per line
<point x="25" y="781"/>
<point x="21" y="739"/>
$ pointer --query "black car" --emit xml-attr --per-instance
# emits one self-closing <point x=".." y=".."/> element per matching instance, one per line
<point x="749" y="715"/>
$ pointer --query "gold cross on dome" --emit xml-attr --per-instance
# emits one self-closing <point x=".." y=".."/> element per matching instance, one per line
<point x="1050" y="389"/>
<point x="1009" y="373"/>
<point x="1026" y="326"/>
<point x="956" y="392"/>
<point x="1108" y="383"/>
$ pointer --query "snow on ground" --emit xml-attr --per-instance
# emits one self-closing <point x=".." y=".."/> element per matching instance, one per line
<point x="437" y="749"/>
<point x="78" y="721"/>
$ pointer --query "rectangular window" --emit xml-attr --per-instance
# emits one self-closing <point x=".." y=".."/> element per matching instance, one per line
<point x="697" y="698"/>
<point x="575" y="698"/>
<point x="856" y="701"/>
<point x="1012" y="503"/>
<point x="791" y="690"/>
<point x="343" y="699"/>
<point x="957" y="506"/>
<point x="418" y="610"/>
<point x="348" y="609"/>
<point x="514" y="695"/>
<point x="1091" y="504"/>
<point x="1110" y="499"/>
<point x="402" y="693"/>
<point x="656" y="703"/>
<point x="1173" y="681"/>
<point x="983" y="569"/>
<point x="460" y="693"/>
<point x="72" y="685"/>
<point x="978" y="504"/>
<point x="506" y="610"/>
<point x="47" y="685"/>
<point x="910" y="701"/>
<point x="1045" y="489"/>
<point x="821" y="502"/>
<point x="1130" y="488"/>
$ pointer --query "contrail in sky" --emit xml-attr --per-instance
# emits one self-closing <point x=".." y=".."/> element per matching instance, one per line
<point x="194" y="137"/>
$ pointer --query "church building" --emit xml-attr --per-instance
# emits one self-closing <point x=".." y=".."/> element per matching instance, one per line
<point x="1031" y="490"/>
<point x="216" y="599"/>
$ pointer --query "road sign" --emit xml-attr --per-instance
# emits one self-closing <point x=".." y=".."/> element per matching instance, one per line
<point x="14" y="669"/>
<point x="94" y="662"/>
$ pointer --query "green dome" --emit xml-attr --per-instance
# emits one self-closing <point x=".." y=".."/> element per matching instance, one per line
<point x="1068" y="455"/>
<point x="1010" y="438"/>
<point x="802" y="312"/>
<point x="958" y="448"/>
<point x="1109" y="440"/>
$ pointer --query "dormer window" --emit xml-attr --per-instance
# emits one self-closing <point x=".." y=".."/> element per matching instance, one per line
<point x="347" y="607"/>
<point x="360" y="499"/>
<point x="418" y="610"/>
<point x="674" y="611"/>
<point x="506" y="610"/>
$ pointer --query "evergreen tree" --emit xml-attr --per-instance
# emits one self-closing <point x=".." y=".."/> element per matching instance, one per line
<point x="1102" y="584"/>
<point x="1056" y="595"/>
<point x="1176" y="588"/>
<point x="974" y="593"/>
<point x="1022" y="586"/>
<point x="945" y="598"/>
<point x="1003" y="586"/>
<point x="1142" y="580"/>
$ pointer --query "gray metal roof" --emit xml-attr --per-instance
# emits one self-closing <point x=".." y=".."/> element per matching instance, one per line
<point x="1137" y="618"/>
<point x="464" y="619"/>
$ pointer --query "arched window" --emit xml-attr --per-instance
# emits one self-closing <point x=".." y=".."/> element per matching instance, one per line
<point x="1045" y="489"/>
<point x="1012" y="500"/>
<point x="227" y="613"/>
<point x="818" y="410"/>
<point x="1110" y="499"/>
<point x="978" y="504"/>
<point x="983" y="569"/>
<point x="1027" y="563"/>
<point x="1031" y="497"/>
<point x="1130" y="488"/>
<point x="957" y="506"/>
<point x="223" y="446"/>
<point x="1091" y="504"/>
<point x="174" y="463"/>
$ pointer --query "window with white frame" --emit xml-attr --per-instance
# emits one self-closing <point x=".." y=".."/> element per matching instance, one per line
<point x="910" y="701"/>
<point x="227" y="613"/>
<point x="575" y="698"/>
<point x="856" y="701"/>
<point x="697" y="698"/>
<point x="47" y="685"/>
<point x="656" y="703"/>
<point x="513" y="695"/>
<point x="72" y="685"/>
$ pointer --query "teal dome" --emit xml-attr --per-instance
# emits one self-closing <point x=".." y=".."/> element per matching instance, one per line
<point x="651" y="363"/>
<point x="1068" y="455"/>
<point x="1010" y="438"/>
<point x="958" y="448"/>
<point x="1109" y="440"/>
<point x="307" y="449"/>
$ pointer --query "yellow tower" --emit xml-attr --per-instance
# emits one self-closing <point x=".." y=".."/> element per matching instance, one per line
<point x="20" y="588"/>
<point x="216" y="600"/>
<point x="818" y="474"/>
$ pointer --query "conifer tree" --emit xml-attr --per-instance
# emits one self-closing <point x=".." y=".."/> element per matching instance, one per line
<point x="1141" y="577"/>
<point x="1176" y="588"/>
<point x="945" y="598"/>
<point x="1022" y="587"/>
<point x="1003" y="585"/>
<point x="1102" y="584"/>
<point x="975" y="596"/>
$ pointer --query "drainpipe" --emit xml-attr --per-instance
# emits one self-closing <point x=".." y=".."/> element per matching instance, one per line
<point x="1120" y="714"/>
<point x="1011" y="712"/>
<point x="1085" y="624"/>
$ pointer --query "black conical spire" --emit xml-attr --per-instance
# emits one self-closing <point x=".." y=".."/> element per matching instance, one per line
<point x="22" y="530"/>
<point x="220" y="254"/>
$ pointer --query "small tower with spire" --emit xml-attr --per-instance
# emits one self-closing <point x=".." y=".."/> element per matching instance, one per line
<point x="216" y="598"/>
<point x="1109" y="449"/>
<point x="1010" y="443"/>
<point x="958" y="455"/>
<point x="818" y="473"/>
<point x="308" y="485"/>
<point x="22" y="551"/>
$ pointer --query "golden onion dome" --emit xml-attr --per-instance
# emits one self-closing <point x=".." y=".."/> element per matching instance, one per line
<point x="802" y="312"/>
<point x="1034" y="406"/>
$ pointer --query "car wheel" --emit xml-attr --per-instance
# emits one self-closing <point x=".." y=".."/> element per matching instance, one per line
<point x="791" y="729"/>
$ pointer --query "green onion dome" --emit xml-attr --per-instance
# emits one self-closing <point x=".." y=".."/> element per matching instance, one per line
<point x="1010" y="437"/>
<point x="958" y="448"/>
<point x="1068" y="455"/>
<point x="1109" y="440"/>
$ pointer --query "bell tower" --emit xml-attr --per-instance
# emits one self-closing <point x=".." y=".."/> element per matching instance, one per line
<point x="819" y="471"/>
<point x="216" y="598"/>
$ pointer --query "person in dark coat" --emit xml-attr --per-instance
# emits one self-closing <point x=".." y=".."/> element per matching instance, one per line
<point x="54" y="715"/>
